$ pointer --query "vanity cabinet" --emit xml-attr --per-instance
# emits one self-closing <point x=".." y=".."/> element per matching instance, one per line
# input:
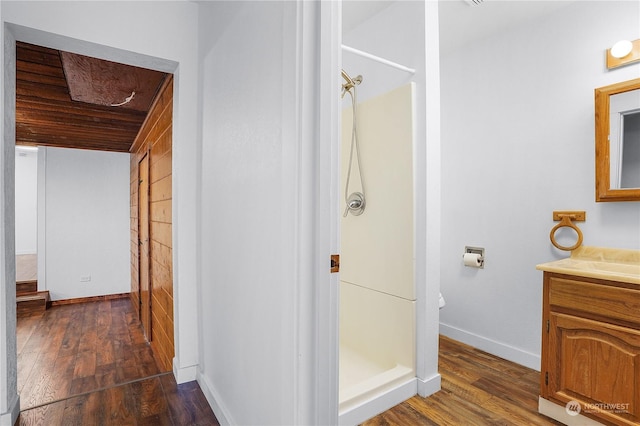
<point x="591" y="347"/>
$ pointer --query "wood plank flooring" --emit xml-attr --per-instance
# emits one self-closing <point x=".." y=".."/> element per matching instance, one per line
<point x="152" y="401"/>
<point x="89" y="364"/>
<point x="477" y="389"/>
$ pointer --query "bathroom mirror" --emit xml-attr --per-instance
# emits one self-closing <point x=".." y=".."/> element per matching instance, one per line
<point x="618" y="141"/>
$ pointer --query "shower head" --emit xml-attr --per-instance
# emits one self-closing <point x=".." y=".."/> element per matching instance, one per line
<point x="350" y="82"/>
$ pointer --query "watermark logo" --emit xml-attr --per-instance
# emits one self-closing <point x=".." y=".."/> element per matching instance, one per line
<point x="573" y="408"/>
<point x="616" y="407"/>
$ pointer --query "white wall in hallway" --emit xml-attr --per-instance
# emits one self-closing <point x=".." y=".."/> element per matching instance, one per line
<point x="26" y="202"/>
<point x="248" y="292"/>
<point x="9" y="399"/>
<point x="86" y="223"/>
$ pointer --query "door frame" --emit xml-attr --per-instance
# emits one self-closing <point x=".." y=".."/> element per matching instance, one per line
<point x="173" y="58"/>
<point x="328" y="219"/>
<point x="148" y="332"/>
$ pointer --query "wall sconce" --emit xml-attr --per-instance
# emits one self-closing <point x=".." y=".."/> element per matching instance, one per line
<point x="622" y="53"/>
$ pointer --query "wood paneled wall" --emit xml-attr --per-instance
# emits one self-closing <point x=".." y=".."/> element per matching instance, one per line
<point x="155" y="139"/>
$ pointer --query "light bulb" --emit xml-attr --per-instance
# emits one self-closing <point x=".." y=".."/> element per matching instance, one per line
<point x="621" y="49"/>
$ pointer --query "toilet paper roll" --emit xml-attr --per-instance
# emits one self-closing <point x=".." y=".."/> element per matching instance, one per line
<point x="472" y="259"/>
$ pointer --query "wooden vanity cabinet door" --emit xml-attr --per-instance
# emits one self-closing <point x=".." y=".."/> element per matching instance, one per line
<point x="591" y="346"/>
<point x="597" y="364"/>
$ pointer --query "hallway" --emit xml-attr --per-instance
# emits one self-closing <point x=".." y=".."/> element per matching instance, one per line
<point x="90" y="364"/>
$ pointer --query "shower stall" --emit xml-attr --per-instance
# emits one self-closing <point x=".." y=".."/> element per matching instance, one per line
<point x="377" y="363"/>
<point x="390" y="252"/>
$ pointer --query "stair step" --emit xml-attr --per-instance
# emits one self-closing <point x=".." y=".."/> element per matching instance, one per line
<point x="26" y="287"/>
<point x="32" y="303"/>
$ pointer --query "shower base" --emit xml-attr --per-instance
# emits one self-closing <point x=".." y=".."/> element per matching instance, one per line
<point x="367" y="387"/>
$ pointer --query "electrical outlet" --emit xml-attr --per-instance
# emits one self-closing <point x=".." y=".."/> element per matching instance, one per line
<point x="85" y="278"/>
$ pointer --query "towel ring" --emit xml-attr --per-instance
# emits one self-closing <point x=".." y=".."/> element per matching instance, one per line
<point x="565" y="220"/>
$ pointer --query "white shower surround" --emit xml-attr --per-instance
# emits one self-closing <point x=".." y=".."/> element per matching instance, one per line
<point x="377" y="288"/>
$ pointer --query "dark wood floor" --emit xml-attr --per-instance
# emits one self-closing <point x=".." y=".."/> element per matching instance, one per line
<point x="477" y="389"/>
<point x="89" y="364"/>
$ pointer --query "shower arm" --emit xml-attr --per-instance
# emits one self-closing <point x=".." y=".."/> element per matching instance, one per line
<point x="350" y="82"/>
<point x="347" y="78"/>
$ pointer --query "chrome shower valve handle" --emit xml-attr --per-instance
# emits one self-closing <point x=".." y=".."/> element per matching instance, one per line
<point x="355" y="204"/>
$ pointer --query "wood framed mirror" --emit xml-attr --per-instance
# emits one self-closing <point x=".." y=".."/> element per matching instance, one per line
<point x="618" y="141"/>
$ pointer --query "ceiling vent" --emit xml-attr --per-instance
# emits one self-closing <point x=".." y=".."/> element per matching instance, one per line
<point x="474" y="2"/>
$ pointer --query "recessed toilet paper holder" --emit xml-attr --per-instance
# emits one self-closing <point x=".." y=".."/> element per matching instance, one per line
<point x="475" y="250"/>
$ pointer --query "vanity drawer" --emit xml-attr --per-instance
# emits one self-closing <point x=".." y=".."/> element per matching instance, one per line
<point x="601" y="301"/>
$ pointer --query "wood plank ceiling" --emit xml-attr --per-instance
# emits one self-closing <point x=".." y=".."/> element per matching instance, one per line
<point x="73" y="101"/>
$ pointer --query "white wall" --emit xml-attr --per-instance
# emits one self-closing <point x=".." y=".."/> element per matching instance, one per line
<point x="396" y="33"/>
<point x="86" y="230"/>
<point x="248" y="291"/>
<point x="26" y="202"/>
<point x="9" y="399"/>
<point x="518" y="143"/>
<point x="157" y="35"/>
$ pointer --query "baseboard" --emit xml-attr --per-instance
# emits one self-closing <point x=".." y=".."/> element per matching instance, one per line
<point x="223" y="416"/>
<point x="378" y="404"/>
<point x="559" y="413"/>
<point x="429" y="386"/>
<point x="11" y="416"/>
<point x="184" y="374"/>
<point x="89" y="299"/>
<point x="496" y="348"/>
